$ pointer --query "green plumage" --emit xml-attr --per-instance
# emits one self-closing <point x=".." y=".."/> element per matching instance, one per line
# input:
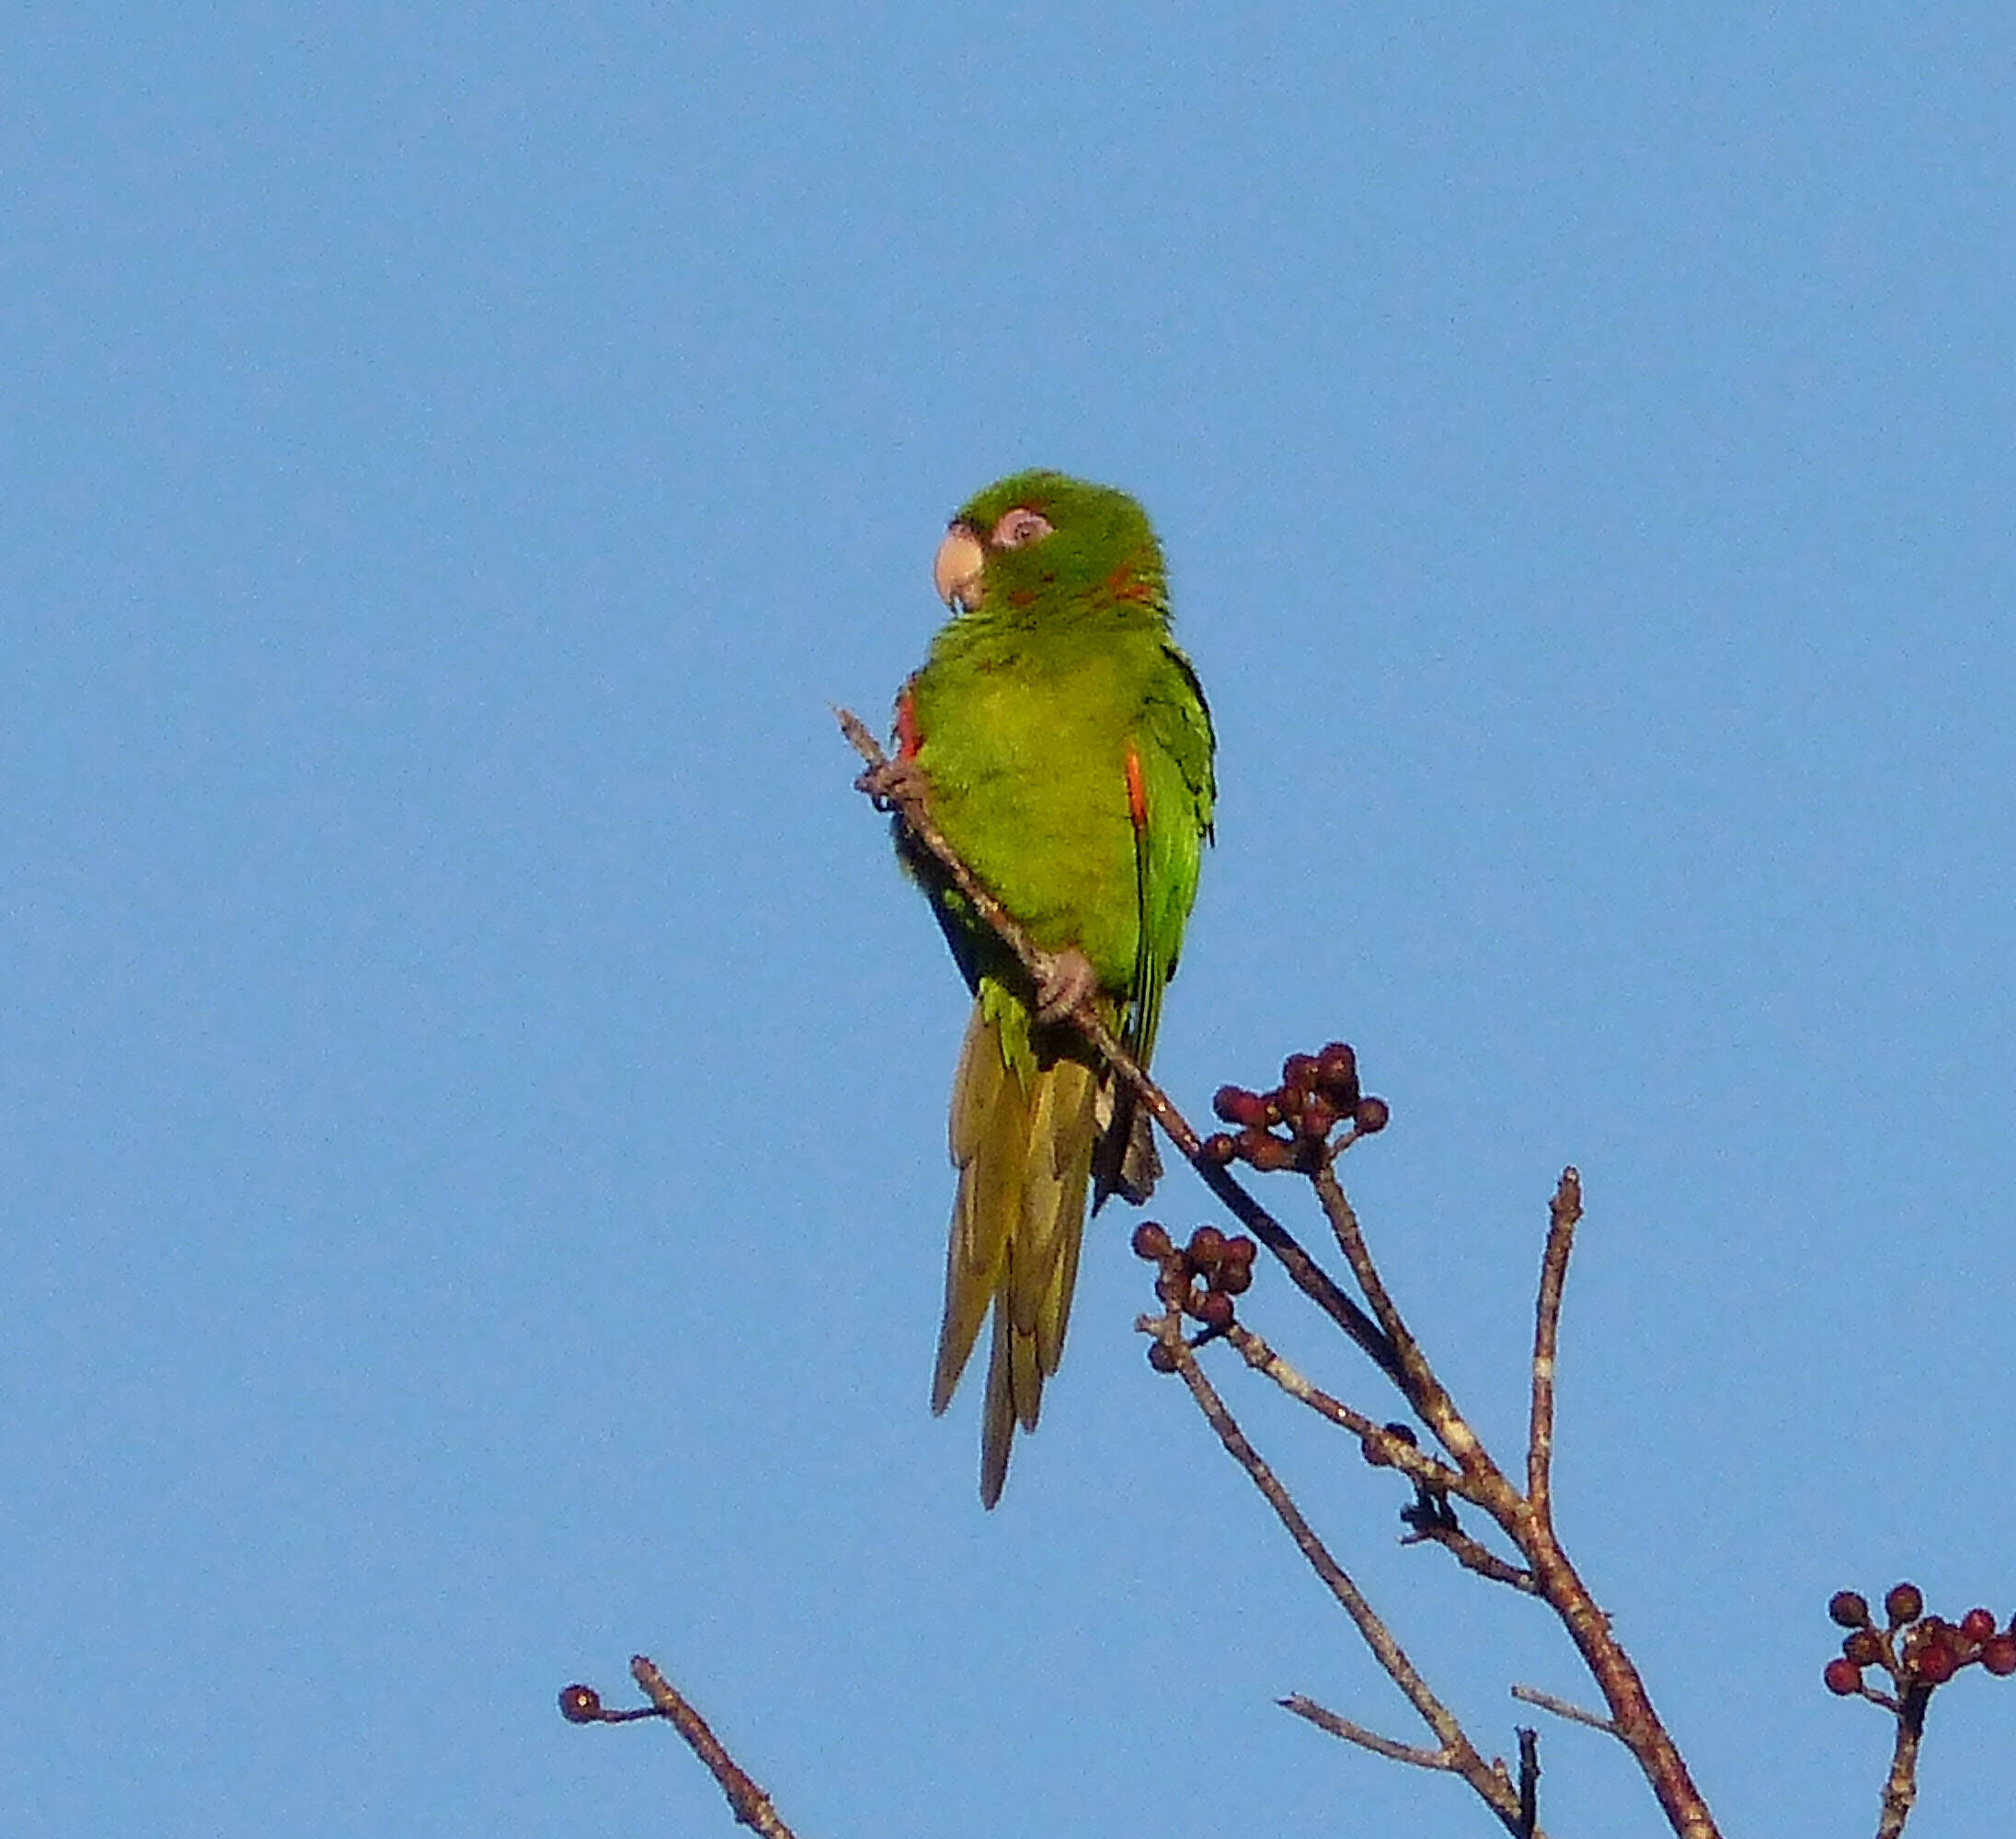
<point x="1067" y="755"/>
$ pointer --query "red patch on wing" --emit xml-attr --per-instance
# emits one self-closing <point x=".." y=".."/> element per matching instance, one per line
<point x="908" y="738"/>
<point x="1136" y="792"/>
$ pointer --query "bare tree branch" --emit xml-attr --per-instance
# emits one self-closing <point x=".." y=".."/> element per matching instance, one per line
<point x="1560" y="1708"/>
<point x="1562" y="1216"/>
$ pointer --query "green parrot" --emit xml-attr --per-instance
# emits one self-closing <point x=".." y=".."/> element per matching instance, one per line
<point x="1064" y="748"/>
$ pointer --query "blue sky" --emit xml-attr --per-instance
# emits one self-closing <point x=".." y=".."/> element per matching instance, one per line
<point x="475" y="1180"/>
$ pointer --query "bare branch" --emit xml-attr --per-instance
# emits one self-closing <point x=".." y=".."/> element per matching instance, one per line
<point x="1562" y="1214"/>
<point x="749" y="1804"/>
<point x="1387" y="1747"/>
<point x="1560" y="1708"/>
<point x="1528" y="1781"/>
<point x="1900" y="1787"/>
<point x="1492" y="1789"/>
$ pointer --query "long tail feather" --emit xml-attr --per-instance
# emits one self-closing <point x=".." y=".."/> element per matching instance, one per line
<point x="1022" y="1137"/>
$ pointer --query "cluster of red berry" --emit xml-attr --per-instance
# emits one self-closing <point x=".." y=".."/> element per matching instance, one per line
<point x="1915" y="1649"/>
<point x="1198" y="1280"/>
<point x="1318" y="1091"/>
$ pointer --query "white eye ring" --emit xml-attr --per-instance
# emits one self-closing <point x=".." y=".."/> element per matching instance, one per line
<point x="1020" y="527"/>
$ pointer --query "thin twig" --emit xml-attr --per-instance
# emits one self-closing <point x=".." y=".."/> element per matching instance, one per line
<point x="1382" y="1447"/>
<point x="1900" y="1787"/>
<point x="1309" y="1276"/>
<point x="1561" y="1708"/>
<point x="1389" y="1747"/>
<point x="1528" y="1780"/>
<point x="1565" y="1210"/>
<point x="749" y="1803"/>
<point x="1494" y="1789"/>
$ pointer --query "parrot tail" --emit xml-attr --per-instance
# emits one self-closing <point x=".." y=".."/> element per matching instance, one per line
<point x="1022" y="1130"/>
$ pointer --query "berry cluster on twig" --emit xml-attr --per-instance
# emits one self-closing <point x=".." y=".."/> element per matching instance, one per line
<point x="1915" y="1650"/>
<point x="1292" y="1126"/>
<point x="1198" y="1280"/>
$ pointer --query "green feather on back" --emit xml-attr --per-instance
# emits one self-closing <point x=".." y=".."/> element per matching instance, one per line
<point x="1067" y="753"/>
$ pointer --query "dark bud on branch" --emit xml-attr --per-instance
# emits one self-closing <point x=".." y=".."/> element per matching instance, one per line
<point x="1999" y="1655"/>
<point x="582" y="1704"/>
<point x="1843" y="1677"/>
<point x="1905" y="1603"/>
<point x="1849" y="1609"/>
<point x="1977" y="1625"/>
<point x="1162" y="1356"/>
<point x="1151" y="1242"/>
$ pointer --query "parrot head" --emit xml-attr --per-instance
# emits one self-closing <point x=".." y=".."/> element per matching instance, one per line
<point x="1039" y="540"/>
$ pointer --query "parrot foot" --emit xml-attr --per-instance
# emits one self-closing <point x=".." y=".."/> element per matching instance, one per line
<point x="894" y="783"/>
<point x="1064" y="982"/>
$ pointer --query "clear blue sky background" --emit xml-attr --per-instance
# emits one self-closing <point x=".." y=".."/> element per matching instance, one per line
<point x="474" y="1083"/>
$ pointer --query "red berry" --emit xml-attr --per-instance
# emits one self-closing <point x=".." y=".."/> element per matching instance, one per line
<point x="1864" y="1646"/>
<point x="1214" y="1310"/>
<point x="1220" y="1148"/>
<point x="1843" y="1677"/>
<point x="1151" y="1241"/>
<point x="1162" y="1356"/>
<point x="1240" y="1249"/>
<point x="1934" y="1663"/>
<point x="1849" y="1609"/>
<point x="580" y="1703"/>
<point x="1337" y="1072"/>
<point x="1299" y="1071"/>
<point x="1266" y="1152"/>
<point x="1371" y="1115"/>
<point x="1207" y="1247"/>
<point x="1999" y="1655"/>
<point x="1235" y="1104"/>
<point x="1319" y="1117"/>
<point x="1235" y="1280"/>
<point x="1977" y="1625"/>
<point x="1905" y="1603"/>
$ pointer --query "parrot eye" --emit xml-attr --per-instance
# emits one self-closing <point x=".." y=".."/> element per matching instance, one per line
<point x="1019" y="527"/>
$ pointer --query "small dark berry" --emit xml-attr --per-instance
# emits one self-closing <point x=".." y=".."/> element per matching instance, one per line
<point x="1977" y="1625"/>
<point x="580" y="1703"/>
<point x="1207" y="1247"/>
<point x="1235" y="1104"/>
<point x="1240" y="1249"/>
<point x="1405" y="1432"/>
<point x="1151" y="1241"/>
<point x="1300" y="1071"/>
<point x="1220" y="1148"/>
<point x="1214" y="1310"/>
<point x="1905" y="1603"/>
<point x="1374" y="1452"/>
<point x="1234" y="1279"/>
<point x="1864" y="1646"/>
<point x="1337" y="1071"/>
<point x="1319" y="1117"/>
<point x="1162" y="1356"/>
<point x="1934" y="1663"/>
<point x="1173" y="1285"/>
<point x="1849" y="1609"/>
<point x="1371" y="1115"/>
<point x="1999" y="1655"/>
<point x="1843" y="1677"/>
<point x="1266" y="1152"/>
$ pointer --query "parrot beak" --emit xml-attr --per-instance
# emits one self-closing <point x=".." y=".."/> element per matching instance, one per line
<point x="956" y="572"/>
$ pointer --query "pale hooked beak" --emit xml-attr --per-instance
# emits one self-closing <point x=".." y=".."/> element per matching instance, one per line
<point x="956" y="572"/>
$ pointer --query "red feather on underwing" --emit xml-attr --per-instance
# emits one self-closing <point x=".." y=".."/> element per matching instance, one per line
<point x="1136" y="792"/>
<point x="908" y="738"/>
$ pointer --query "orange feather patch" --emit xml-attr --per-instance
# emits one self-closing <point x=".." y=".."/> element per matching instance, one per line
<point x="1136" y="792"/>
